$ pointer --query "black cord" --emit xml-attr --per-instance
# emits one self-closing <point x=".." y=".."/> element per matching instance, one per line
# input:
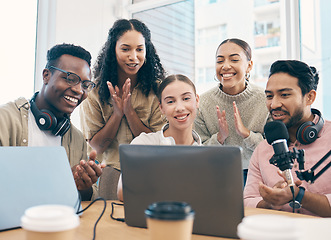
<point x="112" y="212"/>
<point x="103" y="211"/>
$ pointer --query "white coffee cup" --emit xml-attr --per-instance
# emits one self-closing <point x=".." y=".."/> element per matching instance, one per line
<point x="268" y="226"/>
<point x="51" y="222"/>
<point x="170" y="220"/>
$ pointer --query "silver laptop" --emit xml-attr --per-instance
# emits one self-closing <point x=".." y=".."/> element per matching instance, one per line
<point x="33" y="176"/>
<point x="209" y="178"/>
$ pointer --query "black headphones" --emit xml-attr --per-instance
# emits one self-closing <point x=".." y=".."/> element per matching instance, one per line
<point x="46" y="120"/>
<point x="308" y="131"/>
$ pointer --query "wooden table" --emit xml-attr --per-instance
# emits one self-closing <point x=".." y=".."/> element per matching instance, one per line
<point x="108" y="229"/>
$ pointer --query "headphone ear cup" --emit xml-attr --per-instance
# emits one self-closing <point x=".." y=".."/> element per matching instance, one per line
<point x="307" y="133"/>
<point x="62" y="127"/>
<point x="44" y="118"/>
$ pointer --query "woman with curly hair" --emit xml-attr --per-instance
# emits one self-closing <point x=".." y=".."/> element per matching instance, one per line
<point x="123" y="104"/>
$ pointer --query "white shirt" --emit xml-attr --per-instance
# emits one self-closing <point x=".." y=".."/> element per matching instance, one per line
<point x="157" y="138"/>
<point x="38" y="137"/>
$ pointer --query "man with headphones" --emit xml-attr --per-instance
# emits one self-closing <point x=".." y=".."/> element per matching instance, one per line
<point x="44" y="120"/>
<point x="290" y="92"/>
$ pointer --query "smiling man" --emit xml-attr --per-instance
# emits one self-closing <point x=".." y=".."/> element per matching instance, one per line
<point x="45" y="119"/>
<point x="290" y="92"/>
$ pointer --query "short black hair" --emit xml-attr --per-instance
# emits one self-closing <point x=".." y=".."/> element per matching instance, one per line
<point x="57" y="51"/>
<point x="307" y="76"/>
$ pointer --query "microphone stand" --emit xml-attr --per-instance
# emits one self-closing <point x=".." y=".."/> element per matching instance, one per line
<point x="285" y="161"/>
<point x="309" y="175"/>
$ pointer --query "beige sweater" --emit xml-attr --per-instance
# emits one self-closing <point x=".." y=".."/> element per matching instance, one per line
<point x="253" y="111"/>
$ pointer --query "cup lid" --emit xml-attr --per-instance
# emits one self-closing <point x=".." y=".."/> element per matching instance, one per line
<point x="49" y="218"/>
<point x="268" y="226"/>
<point x="169" y="211"/>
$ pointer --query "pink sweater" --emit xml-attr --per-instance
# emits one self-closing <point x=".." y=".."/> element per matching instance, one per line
<point x="260" y="170"/>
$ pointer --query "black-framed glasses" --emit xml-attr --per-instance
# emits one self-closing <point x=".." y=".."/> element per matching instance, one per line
<point x="73" y="79"/>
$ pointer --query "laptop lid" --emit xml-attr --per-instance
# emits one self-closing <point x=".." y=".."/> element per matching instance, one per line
<point x="33" y="176"/>
<point x="209" y="178"/>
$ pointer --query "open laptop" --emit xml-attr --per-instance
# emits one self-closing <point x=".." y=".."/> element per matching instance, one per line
<point x="33" y="176"/>
<point x="209" y="178"/>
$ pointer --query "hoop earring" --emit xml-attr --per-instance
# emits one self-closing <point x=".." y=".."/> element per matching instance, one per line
<point x="247" y="76"/>
<point x="164" y="118"/>
<point x="215" y="78"/>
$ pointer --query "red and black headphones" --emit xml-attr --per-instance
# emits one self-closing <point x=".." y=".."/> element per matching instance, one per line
<point x="308" y="132"/>
<point x="46" y="120"/>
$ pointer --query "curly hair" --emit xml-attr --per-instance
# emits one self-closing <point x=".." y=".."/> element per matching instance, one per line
<point x="307" y="76"/>
<point x="58" y="50"/>
<point x="105" y="68"/>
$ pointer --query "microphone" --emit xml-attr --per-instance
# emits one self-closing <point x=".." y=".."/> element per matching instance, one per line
<point x="277" y="135"/>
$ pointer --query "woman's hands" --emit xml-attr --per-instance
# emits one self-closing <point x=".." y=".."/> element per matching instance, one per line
<point x="240" y="128"/>
<point x="121" y="99"/>
<point x="223" y="125"/>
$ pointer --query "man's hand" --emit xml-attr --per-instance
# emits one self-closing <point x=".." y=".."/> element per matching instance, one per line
<point x="86" y="173"/>
<point x="279" y="194"/>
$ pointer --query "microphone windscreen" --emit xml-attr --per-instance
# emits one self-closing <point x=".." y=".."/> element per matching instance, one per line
<point x="275" y="130"/>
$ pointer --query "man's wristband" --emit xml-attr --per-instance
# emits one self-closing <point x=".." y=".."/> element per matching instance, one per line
<point x="298" y="199"/>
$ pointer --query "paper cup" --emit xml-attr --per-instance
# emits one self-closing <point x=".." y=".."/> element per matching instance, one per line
<point x="170" y="220"/>
<point x="268" y="226"/>
<point x="51" y="222"/>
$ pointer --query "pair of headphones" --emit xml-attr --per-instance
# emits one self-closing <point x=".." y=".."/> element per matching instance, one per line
<point x="46" y="120"/>
<point x="308" y="132"/>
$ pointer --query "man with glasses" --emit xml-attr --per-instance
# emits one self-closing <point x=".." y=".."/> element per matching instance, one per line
<point x="44" y="120"/>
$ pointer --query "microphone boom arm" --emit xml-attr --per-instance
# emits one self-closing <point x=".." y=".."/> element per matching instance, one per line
<point x="309" y="175"/>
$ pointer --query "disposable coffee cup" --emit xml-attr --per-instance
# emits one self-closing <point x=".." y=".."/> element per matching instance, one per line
<point x="51" y="222"/>
<point x="268" y="226"/>
<point x="170" y="220"/>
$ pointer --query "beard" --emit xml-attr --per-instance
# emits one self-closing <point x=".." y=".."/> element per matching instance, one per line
<point x="295" y="119"/>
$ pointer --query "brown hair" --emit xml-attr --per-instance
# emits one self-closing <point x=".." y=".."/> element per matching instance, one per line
<point x="171" y="79"/>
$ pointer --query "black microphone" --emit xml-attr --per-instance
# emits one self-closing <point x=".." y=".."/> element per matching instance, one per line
<point x="277" y="135"/>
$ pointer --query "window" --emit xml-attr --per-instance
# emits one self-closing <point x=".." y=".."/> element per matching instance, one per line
<point x="267" y="34"/>
<point x="18" y="44"/>
<point x="211" y="35"/>
<point x="172" y="28"/>
<point x="315" y="49"/>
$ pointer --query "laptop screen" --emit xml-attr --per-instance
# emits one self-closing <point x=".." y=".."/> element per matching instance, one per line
<point x="33" y="176"/>
<point x="209" y="178"/>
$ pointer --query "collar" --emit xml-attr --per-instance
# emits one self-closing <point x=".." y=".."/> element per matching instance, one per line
<point x="171" y="140"/>
<point x="22" y="103"/>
